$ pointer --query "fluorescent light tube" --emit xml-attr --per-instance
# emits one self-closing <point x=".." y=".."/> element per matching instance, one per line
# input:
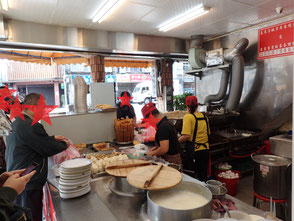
<point x="183" y="18"/>
<point x="4" y="5"/>
<point x="109" y="7"/>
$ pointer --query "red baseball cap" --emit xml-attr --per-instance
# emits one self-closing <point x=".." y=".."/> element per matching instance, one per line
<point x="148" y="108"/>
<point x="189" y="100"/>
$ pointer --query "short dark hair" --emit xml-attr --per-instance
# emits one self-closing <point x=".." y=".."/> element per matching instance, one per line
<point x="123" y="93"/>
<point x="154" y="112"/>
<point x="32" y="99"/>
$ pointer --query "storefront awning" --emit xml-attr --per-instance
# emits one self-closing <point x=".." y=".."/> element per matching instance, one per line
<point x="41" y="57"/>
<point x="59" y="58"/>
<point x="127" y="63"/>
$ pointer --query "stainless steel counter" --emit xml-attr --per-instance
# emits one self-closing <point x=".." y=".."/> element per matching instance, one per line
<point x="101" y="204"/>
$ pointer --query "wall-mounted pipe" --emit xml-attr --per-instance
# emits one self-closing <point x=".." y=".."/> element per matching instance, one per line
<point x="196" y="41"/>
<point x="80" y="95"/>
<point x="237" y="79"/>
<point x="237" y="50"/>
<point x="222" y="90"/>
<point x="236" y="83"/>
<point x="197" y="54"/>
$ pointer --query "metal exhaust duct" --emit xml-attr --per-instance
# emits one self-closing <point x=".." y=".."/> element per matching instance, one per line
<point x="235" y="56"/>
<point x="222" y="90"/>
<point x="197" y="42"/>
<point x="80" y="95"/>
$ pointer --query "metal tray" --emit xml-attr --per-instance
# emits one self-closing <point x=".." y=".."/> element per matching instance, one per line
<point x="97" y="175"/>
<point x="124" y="143"/>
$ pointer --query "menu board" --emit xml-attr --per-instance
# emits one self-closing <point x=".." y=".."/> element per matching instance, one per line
<point x="276" y="41"/>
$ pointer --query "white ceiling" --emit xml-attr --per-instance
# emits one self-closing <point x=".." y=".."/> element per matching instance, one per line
<point x="144" y="16"/>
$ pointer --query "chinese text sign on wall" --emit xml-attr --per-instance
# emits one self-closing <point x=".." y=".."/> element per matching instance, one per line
<point x="276" y="41"/>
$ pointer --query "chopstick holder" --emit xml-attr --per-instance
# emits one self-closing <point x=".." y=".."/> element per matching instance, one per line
<point x="155" y="172"/>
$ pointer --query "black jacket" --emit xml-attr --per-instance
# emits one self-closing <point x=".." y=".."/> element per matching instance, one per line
<point x="28" y="144"/>
<point x="7" y="196"/>
<point x="125" y="111"/>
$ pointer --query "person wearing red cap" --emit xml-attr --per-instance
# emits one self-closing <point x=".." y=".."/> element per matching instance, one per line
<point x="166" y="141"/>
<point x="195" y="133"/>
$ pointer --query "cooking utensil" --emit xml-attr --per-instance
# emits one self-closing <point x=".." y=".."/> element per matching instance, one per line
<point x="217" y="189"/>
<point x="221" y="194"/>
<point x="238" y="215"/>
<point x="166" y="178"/>
<point x="153" y="175"/>
<point x="157" y="212"/>
<point x="120" y="186"/>
<point x="214" y="186"/>
<point x="127" y="165"/>
<point x="270" y="176"/>
<point x="226" y="209"/>
<point x="121" y="168"/>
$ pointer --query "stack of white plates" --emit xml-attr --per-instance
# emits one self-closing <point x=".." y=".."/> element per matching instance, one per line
<point x="74" y="178"/>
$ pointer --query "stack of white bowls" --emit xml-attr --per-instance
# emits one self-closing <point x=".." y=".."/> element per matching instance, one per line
<point x="74" y="178"/>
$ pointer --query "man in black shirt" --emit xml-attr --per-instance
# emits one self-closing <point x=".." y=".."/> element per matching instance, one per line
<point x="166" y="140"/>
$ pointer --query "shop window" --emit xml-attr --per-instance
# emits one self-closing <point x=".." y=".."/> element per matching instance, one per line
<point x="182" y="83"/>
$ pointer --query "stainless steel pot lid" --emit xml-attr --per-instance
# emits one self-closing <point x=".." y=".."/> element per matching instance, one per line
<point x="271" y="160"/>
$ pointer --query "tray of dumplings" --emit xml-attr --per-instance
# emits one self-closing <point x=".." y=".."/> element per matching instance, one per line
<point x="99" y="161"/>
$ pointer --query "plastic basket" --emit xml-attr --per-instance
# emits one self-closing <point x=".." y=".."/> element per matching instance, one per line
<point x="231" y="184"/>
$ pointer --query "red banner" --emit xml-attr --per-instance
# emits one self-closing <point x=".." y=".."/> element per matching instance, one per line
<point x="276" y="41"/>
<point x="140" y="77"/>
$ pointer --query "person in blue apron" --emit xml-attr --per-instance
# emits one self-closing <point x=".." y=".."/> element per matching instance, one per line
<point x="195" y="133"/>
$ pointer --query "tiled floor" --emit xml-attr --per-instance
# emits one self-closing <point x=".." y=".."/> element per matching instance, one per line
<point x="245" y="191"/>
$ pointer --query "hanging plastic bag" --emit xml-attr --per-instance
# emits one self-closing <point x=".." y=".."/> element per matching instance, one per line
<point x="147" y="135"/>
<point x="150" y="134"/>
<point x="70" y="153"/>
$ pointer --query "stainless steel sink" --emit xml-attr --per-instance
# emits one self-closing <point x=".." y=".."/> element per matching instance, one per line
<point x="281" y="145"/>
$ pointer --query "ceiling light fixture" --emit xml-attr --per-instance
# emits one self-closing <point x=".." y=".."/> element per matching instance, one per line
<point x="106" y="9"/>
<point x="4" y="5"/>
<point x="183" y="18"/>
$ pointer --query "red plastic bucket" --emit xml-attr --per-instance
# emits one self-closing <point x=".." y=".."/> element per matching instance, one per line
<point x="231" y="184"/>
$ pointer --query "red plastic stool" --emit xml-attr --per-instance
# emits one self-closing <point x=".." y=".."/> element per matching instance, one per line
<point x="257" y="200"/>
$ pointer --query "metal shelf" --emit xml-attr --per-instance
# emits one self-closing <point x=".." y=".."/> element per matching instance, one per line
<point x="199" y="72"/>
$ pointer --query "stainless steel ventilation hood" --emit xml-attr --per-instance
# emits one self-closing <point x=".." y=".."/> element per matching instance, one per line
<point x="30" y="35"/>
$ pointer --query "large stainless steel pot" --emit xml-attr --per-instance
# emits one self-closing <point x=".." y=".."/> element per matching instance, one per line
<point x="120" y="186"/>
<point x="270" y="173"/>
<point x="158" y="213"/>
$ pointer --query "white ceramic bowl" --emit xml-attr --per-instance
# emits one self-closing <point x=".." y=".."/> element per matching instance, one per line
<point x="76" y="194"/>
<point x="76" y="164"/>
<point x="239" y="215"/>
<point x="255" y="217"/>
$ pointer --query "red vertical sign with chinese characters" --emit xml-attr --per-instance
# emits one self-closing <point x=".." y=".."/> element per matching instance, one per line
<point x="276" y="41"/>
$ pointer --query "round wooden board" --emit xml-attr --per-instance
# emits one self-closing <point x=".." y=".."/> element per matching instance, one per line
<point x="168" y="177"/>
<point x="123" y="172"/>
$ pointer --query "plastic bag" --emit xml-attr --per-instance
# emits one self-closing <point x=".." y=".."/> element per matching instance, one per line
<point x="70" y="153"/>
<point x="147" y="135"/>
<point x="151" y="131"/>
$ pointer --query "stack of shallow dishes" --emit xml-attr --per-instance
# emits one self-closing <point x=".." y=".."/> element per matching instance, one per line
<point x="74" y="178"/>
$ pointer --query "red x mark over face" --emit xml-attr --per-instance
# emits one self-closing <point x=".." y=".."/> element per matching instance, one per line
<point x="16" y="110"/>
<point x="125" y="100"/>
<point x="41" y="111"/>
<point x="5" y="93"/>
<point x="151" y="121"/>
